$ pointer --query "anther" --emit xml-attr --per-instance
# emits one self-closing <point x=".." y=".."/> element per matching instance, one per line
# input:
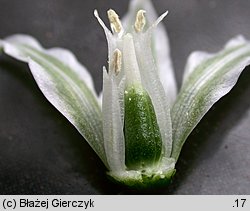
<point x="114" y="20"/>
<point x="140" y="20"/>
<point x="117" y="61"/>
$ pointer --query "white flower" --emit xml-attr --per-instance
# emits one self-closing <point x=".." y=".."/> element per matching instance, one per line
<point x="140" y="129"/>
<point x="136" y="110"/>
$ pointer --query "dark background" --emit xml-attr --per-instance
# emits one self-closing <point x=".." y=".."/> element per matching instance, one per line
<point x="41" y="153"/>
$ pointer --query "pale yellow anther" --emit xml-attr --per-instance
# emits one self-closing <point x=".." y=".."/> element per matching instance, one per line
<point x="140" y="20"/>
<point x="114" y="20"/>
<point x="117" y="61"/>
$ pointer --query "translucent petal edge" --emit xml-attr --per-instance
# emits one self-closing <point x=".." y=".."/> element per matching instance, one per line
<point x="210" y="80"/>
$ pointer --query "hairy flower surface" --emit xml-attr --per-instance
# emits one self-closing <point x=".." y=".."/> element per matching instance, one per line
<point x="139" y="123"/>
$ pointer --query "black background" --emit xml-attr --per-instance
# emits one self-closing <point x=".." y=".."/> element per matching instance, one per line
<point x="41" y="153"/>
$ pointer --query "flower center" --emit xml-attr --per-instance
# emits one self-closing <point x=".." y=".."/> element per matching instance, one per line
<point x="139" y="138"/>
<point x="143" y="143"/>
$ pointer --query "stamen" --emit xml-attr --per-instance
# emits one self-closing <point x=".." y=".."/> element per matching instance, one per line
<point x="117" y="61"/>
<point x="114" y="20"/>
<point x="160" y="19"/>
<point x="106" y="30"/>
<point x="131" y="67"/>
<point x="140" y="20"/>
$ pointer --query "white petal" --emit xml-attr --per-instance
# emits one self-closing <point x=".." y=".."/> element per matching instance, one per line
<point x="64" y="85"/>
<point x="24" y="39"/>
<point x="208" y="77"/>
<point x="193" y="61"/>
<point x="63" y="55"/>
<point x="69" y="59"/>
<point x="112" y="124"/>
<point x="197" y="57"/>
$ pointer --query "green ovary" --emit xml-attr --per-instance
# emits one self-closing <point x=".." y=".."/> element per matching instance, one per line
<point x="143" y="143"/>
